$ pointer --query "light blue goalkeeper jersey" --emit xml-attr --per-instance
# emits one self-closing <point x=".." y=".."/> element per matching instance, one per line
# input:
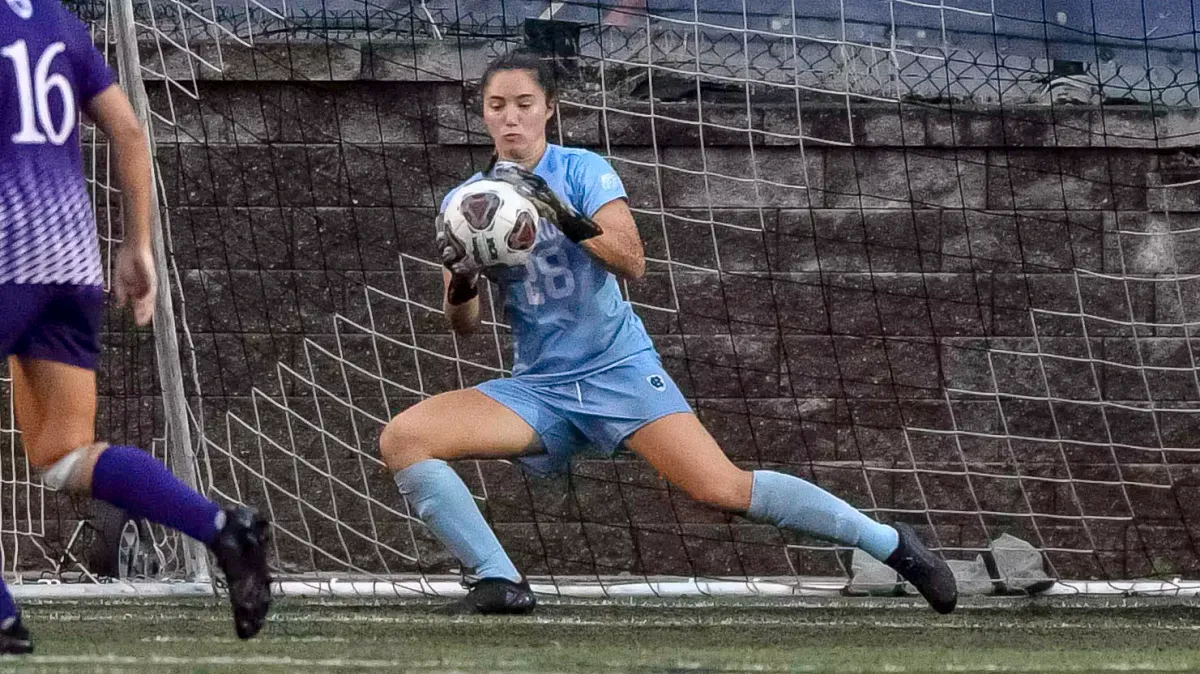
<point x="566" y="311"/>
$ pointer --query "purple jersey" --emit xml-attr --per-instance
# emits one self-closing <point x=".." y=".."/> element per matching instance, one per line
<point x="49" y="73"/>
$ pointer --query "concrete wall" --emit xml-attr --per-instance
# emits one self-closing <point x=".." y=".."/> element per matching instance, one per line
<point x="869" y="267"/>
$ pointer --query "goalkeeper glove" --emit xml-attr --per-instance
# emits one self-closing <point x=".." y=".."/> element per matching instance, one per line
<point x="464" y="271"/>
<point x="576" y="226"/>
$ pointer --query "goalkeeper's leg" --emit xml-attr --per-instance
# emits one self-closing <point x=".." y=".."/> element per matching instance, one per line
<point x="680" y="448"/>
<point x="56" y="409"/>
<point x="416" y="445"/>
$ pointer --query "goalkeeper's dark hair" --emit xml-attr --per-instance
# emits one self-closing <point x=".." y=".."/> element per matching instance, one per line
<point x="543" y="68"/>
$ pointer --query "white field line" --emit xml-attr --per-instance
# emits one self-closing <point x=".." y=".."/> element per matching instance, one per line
<point x="738" y="621"/>
<point x="214" y="661"/>
<point x="423" y="588"/>
<point x="887" y="605"/>
<point x="316" y="639"/>
<point x="519" y="666"/>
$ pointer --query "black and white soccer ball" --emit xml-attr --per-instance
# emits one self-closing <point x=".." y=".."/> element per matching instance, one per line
<point x="496" y="225"/>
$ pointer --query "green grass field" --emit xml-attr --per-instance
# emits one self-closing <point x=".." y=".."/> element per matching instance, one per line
<point x="620" y="636"/>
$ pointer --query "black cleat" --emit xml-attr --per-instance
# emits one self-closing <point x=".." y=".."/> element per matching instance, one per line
<point x="14" y="639"/>
<point x="241" y="550"/>
<point x="489" y="596"/>
<point x="926" y="571"/>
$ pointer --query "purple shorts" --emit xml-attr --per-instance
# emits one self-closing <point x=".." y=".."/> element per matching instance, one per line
<point x="56" y="322"/>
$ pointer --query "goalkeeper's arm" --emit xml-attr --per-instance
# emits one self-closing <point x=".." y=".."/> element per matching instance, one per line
<point x="463" y="314"/>
<point x="618" y="247"/>
<point x="610" y="235"/>
<point x="460" y="276"/>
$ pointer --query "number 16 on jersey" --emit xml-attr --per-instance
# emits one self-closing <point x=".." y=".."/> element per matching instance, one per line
<point x="33" y="96"/>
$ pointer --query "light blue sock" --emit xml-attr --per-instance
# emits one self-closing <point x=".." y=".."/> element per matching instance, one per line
<point x="443" y="503"/>
<point x="792" y="503"/>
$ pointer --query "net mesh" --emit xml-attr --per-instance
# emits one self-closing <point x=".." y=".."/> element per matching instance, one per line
<point x="931" y="257"/>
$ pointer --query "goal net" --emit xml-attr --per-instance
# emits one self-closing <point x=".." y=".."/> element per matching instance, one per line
<point x="934" y="257"/>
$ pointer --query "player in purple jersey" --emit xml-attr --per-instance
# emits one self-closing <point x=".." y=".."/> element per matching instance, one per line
<point x="51" y="296"/>
<point x="585" y="374"/>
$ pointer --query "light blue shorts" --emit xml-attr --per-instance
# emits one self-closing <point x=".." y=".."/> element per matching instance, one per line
<point x="589" y="416"/>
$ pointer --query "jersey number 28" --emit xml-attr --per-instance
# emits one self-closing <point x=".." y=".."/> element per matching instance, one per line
<point x="33" y="96"/>
<point x="552" y="270"/>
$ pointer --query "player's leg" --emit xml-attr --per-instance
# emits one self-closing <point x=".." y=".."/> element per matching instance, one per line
<point x="28" y="414"/>
<point x="681" y="449"/>
<point x="14" y="637"/>
<point x="416" y="445"/>
<point x="58" y="404"/>
<point x="58" y="401"/>
<point x="19" y="307"/>
<point x="463" y="424"/>
<point x="56" y="393"/>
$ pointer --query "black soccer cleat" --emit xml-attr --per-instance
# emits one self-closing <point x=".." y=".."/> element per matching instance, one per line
<point x="14" y="638"/>
<point x="241" y="551"/>
<point x="495" y="596"/>
<point x="927" y="572"/>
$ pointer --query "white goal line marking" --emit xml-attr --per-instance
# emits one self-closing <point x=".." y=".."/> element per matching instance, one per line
<point x="227" y="661"/>
<point x="444" y="665"/>
<point x="315" y="639"/>
<point x="918" y="622"/>
<point x="418" y="588"/>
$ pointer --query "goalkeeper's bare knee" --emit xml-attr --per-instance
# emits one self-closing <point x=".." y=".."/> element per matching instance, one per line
<point x="728" y="490"/>
<point x="400" y="444"/>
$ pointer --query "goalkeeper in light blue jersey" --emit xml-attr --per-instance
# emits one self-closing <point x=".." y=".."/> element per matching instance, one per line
<point x="586" y="375"/>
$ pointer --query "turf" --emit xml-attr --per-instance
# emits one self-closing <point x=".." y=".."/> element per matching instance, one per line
<point x="620" y="636"/>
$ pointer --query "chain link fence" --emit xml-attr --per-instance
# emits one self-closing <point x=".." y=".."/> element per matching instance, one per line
<point x="741" y="57"/>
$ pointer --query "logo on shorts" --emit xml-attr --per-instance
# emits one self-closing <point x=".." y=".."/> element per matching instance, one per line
<point x="657" y="382"/>
<point x="22" y="8"/>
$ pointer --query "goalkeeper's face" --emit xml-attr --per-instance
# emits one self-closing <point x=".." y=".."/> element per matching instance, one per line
<point x="515" y="111"/>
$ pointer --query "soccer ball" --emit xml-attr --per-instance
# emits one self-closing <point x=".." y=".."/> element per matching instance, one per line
<point x="497" y="225"/>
